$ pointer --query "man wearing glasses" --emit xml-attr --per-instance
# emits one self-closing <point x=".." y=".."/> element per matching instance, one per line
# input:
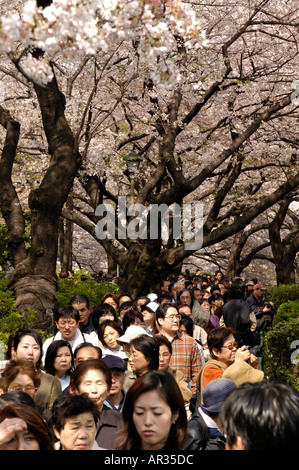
<point x="185" y="353"/>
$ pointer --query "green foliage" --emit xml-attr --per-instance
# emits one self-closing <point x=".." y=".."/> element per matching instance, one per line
<point x="282" y="352"/>
<point x="4" y="258"/>
<point x="7" y="299"/>
<point x="282" y="293"/>
<point x="94" y="291"/>
<point x="287" y="310"/>
<point x="10" y="320"/>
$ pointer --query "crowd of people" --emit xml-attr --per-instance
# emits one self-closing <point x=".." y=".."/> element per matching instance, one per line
<point x="178" y="369"/>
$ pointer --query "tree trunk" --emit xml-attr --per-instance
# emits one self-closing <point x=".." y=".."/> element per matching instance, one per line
<point x="34" y="277"/>
<point x="284" y="251"/>
<point x="66" y="240"/>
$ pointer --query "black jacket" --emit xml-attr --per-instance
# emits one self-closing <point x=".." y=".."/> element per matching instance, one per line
<point x="198" y="436"/>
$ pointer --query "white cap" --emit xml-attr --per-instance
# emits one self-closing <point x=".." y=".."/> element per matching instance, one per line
<point x="152" y="306"/>
<point x="152" y="296"/>
<point x="133" y="331"/>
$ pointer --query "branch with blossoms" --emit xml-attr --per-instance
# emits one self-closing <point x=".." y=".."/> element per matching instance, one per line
<point x="71" y="29"/>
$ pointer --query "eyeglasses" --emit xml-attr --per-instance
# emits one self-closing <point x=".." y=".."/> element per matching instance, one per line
<point x="18" y="388"/>
<point x="173" y="317"/>
<point x="231" y="346"/>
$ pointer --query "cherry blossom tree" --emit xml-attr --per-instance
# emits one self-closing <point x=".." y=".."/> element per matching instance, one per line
<point x="224" y="137"/>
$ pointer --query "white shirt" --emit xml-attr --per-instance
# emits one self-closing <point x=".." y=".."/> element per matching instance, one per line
<point x="74" y="342"/>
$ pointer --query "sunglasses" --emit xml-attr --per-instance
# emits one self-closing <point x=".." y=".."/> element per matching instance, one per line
<point x="231" y="346"/>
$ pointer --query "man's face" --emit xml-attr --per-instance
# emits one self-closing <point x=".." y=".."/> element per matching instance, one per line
<point x="85" y="353"/>
<point x="171" y="321"/>
<point x="185" y="298"/>
<point x="84" y="312"/>
<point x="67" y="327"/>
<point x="165" y="287"/>
<point x="118" y="378"/>
<point x="186" y="310"/>
<point x="197" y="294"/>
<point x="258" y="293"/>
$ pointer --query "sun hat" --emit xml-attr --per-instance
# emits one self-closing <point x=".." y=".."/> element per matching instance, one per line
<point x="133" y="331"/>
<point x="214" y="394"/>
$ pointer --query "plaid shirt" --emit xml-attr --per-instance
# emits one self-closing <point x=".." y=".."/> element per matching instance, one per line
<point x="186" y="358"/>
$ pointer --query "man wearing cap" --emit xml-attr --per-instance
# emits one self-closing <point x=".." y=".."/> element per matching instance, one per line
<point x="257" y="305"/>
<point x="249" y="287"/>
<point x="117" y="394"/>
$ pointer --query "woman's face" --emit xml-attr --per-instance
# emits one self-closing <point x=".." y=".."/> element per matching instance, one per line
<point x="78" y="432"/>
<point x="164" y="357"/>
<point x="227" y="353"/>
<point x="28" y="349"/>
<point x="112" y="302"/>
<point x="148" y="317"/>
<point x="95" y="386"/>
<point x="153" y="418"/>
<point x="63" y="360"/>
<point x="22" y="438"/>
<point x="22" y="382"/>
<point x="138" y="361"/>
<point x="218" y="303"/>
<point x="106" y="316"/>
<point x="110" y="337"/>
<point x="205" y="305"/>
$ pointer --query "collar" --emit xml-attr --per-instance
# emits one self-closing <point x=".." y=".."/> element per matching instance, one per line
<point x="178" y="335"/>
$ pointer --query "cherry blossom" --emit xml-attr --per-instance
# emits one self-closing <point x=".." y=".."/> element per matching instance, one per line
<point x="69" y="28"/>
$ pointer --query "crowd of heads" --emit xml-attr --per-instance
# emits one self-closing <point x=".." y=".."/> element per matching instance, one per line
<point x="57" y="394"/>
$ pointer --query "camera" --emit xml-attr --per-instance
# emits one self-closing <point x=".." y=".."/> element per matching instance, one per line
<point x="257" y="351"/>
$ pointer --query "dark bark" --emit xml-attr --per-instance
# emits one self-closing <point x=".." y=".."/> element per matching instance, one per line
<point x="9" y="201"/>
<point x="34" y="277"/>
<point x="284" y="250"/>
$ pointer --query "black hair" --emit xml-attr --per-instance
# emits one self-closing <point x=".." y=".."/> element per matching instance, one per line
<point x="15" y="338"/>
<point x="80" y="299"/>
<point x="188" y="323"/>
<point x="265" y="415"/>
<point x="100" y="310"/>
<point x="69" y="405"/>
<point x="86" y="344"/>
<point x="51" y="355"/>
<point x="68" y="312"/>
<point x="148" y="346"/>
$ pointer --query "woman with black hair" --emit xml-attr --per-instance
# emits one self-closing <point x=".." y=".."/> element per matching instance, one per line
<point x="27" y="344"/>
<point x="154" y="415"/>
<point x="59" y="361"/>
<point x="144" y="354"/>
<point x="109" y="332"/>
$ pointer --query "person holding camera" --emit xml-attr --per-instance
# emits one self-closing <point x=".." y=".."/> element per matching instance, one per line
<point x="262" y="310"/>
<point x="227" y="360"/>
